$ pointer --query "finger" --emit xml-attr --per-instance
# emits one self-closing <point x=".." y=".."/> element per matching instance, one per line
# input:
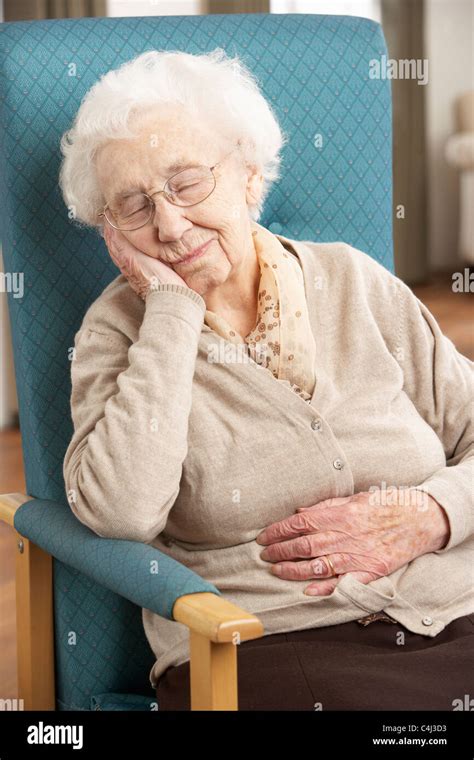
<point x="305" y="520"/>
<point x="119" y="260"/>
<point x="303" y="547"/>
<point x="321" y="588"/>
<point x="123" y="244"/>
<point x="307" y="569"/>
<point x="119" y="247"/>
<point x="107" y="231"/>
<point x="110" y="241"/>
<point x="120" y="257"/>
<point x="290" y="527"/>
<point x="326" y="587"/>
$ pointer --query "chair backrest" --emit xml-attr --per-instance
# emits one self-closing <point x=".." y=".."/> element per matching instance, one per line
<point x="336" y="185"/>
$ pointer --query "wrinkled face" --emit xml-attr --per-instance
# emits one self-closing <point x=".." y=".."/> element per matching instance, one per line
<point x="168" y="136"/>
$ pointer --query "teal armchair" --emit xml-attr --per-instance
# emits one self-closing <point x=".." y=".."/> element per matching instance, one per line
<point x="81" y="643"/>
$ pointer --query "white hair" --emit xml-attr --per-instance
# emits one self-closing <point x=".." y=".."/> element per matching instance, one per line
<point x="210" y="85"/>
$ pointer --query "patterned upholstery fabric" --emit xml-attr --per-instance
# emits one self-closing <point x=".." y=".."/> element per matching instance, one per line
<point x="315" y="72"/>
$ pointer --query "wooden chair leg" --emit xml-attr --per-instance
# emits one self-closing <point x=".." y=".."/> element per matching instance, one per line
<point x="216" y="627"/>
<point x="35" y="626"/>
<point x="213" y="669"/>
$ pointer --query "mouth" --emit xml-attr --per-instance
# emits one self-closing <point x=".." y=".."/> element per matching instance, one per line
<point x="194" y="254"/>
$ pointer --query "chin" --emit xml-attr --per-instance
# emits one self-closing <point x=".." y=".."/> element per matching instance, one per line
<point x="203" y="278"/>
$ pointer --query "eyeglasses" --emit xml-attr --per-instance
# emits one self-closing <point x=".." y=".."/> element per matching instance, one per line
<point x="186" y="188"/>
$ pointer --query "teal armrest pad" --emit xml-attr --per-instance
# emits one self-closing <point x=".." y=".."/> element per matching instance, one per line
<point x="136" y="571"/>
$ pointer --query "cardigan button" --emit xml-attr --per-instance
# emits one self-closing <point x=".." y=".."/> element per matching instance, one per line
<point x="427" y="620"/>
<point x="338" y="464"/>
<point x="316" y="424"/>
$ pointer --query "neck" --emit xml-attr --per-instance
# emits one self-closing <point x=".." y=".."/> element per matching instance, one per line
<point x="236" y="299"/>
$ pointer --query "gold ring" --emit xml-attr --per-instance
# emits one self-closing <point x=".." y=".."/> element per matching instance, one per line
<point x="331" y="566"/>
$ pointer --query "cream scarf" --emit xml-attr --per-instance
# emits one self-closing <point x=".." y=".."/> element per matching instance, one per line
<point x="282" y="340"/>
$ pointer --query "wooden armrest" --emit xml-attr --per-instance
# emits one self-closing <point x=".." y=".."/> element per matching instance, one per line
<point x="9" y="503"/>
<point x="216" y="618"/>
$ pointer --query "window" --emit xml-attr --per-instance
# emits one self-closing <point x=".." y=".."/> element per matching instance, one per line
<point x="153" y="7"/>
<point x="366" y="8"/>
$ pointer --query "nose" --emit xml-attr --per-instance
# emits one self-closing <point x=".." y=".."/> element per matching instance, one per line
<point x="169" y="219"/>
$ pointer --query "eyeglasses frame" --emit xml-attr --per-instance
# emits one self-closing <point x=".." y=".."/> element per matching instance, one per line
<point x="152" y="202"/>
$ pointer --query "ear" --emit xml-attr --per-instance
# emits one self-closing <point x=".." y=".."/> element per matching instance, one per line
<point x="254" y="186"/>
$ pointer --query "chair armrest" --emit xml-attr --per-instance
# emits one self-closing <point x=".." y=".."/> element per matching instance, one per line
<point x="9" y="503"/>
<point x="139" y="572"/>
<point x="125" y="567"/>
<point x="217" y="619"/>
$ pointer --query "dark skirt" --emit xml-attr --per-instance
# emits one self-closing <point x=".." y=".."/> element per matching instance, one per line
<point x="346" y="667"/>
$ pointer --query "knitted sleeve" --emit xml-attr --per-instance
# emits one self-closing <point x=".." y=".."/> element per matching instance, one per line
<point x="440" y="382"/>
<point x="130" y="404"/>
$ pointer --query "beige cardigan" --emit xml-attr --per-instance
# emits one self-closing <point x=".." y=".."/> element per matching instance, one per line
<point x="180" y="445"/>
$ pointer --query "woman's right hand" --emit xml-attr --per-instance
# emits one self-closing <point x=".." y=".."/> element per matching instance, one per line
<point x="142" y="271"/>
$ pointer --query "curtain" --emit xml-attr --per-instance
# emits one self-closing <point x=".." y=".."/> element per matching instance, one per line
<point x="29" y="10"/>
<point x="402" y="22"/>
<point x="236" y="6"/>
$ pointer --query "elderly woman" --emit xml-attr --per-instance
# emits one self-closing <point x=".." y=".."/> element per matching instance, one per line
<point x="285" y="418"/>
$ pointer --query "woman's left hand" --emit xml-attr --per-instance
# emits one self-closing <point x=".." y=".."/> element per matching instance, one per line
<point x="360" y="534"/>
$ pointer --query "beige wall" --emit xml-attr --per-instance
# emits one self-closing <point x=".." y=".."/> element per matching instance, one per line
<point x="449" y="28"/>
